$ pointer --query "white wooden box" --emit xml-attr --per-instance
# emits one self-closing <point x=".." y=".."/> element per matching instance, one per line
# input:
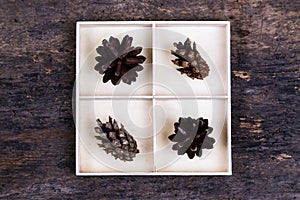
<point x="149" y="107"/>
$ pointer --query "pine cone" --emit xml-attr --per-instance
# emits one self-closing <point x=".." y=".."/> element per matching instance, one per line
<point x="191" y="136"/>
<point x="116" y="141"/>
<point x="119" y="61"/>
<point x="189" y="60"/>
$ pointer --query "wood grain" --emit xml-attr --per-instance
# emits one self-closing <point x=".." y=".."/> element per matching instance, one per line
<point x="37" y="60"/>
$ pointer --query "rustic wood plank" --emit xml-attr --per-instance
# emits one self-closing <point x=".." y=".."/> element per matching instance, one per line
<point x="37" y="61"/>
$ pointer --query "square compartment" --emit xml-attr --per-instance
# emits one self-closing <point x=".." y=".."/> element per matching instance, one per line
<point x="212" y="43"/>
<point x="91" y="36"/>
<point x="215" y="160"/>
<point x="92" y="158"/>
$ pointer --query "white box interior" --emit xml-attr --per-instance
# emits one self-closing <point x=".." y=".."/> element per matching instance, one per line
<point x="149" y="107"/>
<point x="211" y="44"/>
<point x="168" y="111"/>
<point x="91" y="36"/>
<point x="94" y="159"/>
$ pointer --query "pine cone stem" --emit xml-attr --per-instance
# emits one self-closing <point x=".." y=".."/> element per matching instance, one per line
<point x="117" y="73"/>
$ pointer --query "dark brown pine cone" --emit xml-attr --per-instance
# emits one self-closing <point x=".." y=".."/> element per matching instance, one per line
<point x="191" y="136"/>
<point x="116" y="141"/>
<point x="119" y="61"/>
<point x="189" y="60"/>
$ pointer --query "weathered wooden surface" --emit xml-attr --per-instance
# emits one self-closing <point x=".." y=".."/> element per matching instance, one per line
<point x="37" y="60"/>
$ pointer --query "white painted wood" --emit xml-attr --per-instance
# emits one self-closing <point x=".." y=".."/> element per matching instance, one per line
<point x="146" y="93"/>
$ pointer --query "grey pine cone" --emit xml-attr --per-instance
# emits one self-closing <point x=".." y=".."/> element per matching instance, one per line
<point x="189" y="60"/>
<point x="116" y="141"/>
